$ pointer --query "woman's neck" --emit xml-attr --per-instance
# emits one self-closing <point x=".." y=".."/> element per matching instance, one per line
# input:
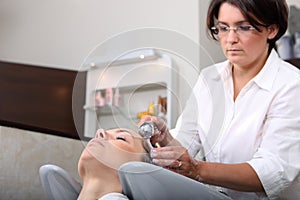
<point x="96" y="186"/>
<point x="242" y="75"/>
<point x="241" y="78"/>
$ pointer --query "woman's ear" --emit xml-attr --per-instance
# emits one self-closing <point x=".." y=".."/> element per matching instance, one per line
<point x="272" y="31"/>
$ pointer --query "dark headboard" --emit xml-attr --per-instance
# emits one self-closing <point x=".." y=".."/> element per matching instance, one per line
<point x="40" y="99"/>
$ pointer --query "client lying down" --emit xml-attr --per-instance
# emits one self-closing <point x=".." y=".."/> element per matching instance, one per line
<point x="99" y="162"/>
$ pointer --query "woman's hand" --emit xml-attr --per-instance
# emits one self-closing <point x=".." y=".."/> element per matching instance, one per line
<point x="171" y="154"/>
<point x="177" y="159"/>
<point x="162" y="138"/>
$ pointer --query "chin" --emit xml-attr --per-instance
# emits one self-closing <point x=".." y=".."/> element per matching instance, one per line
<point x="86" y="154"/>
<point x="235" y="60"/>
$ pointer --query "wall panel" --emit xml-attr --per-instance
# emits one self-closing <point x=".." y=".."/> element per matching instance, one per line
<point x="40" y="99"/>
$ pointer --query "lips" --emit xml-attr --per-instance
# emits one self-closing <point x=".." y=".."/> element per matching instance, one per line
<point x="233" y="50"/>
<point x="96" y="141"/>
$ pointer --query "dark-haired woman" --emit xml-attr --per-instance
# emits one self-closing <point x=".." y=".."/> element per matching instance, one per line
<point x="244" y="113"/>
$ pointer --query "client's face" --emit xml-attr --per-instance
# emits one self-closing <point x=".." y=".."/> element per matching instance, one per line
<point x="112" y="148"/>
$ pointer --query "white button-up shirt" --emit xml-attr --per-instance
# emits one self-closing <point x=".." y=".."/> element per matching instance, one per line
<point x="261" y="127"/>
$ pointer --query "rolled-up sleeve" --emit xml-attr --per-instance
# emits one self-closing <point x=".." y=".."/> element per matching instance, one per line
<point x="277" y="160"/>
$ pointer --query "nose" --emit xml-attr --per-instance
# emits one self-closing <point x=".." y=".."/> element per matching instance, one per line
<point x="100" y="133"/>
<point x="104" y="134"/>
<point x="232" y="36"/>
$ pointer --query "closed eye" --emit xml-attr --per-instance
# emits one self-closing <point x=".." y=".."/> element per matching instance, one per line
<point x="121" y="138"/>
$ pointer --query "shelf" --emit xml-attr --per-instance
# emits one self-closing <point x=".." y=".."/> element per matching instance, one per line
<point x="143" y="88"/>
<point x="105" y="110"/>
<point x="138" y="85"/>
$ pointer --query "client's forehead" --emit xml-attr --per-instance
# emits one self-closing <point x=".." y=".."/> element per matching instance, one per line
<point x="129" y="131"/>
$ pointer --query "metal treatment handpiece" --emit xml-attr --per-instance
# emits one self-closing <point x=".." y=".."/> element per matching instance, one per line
<point x="147" y="130"/>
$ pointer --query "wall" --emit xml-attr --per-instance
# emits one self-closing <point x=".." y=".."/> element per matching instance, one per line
<point x="61" y="33"/>
<point x="213" y="49"/>
<point x="293" y="2"/>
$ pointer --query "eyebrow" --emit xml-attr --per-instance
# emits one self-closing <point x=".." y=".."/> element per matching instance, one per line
<point x="132" y="134"/>
<point x="123" y="130"/>
<point x="236" y="23"/>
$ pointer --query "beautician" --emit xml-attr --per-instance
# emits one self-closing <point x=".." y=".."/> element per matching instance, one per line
<point x="255" y="152"/>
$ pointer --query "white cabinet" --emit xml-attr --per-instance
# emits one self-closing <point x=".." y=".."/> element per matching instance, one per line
<point x="138" y="84"/>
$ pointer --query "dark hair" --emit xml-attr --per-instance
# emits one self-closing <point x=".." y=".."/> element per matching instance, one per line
<point x="257" y="12"/>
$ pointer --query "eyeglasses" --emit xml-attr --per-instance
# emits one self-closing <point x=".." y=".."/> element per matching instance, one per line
<point x="223" y="30"/>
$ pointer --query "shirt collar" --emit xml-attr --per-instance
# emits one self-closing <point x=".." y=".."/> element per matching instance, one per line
<point x="226" y="72"/>
<point x="265" y="78"/>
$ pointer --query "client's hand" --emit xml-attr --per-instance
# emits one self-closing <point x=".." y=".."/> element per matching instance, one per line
<point x="177" y="159"/>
